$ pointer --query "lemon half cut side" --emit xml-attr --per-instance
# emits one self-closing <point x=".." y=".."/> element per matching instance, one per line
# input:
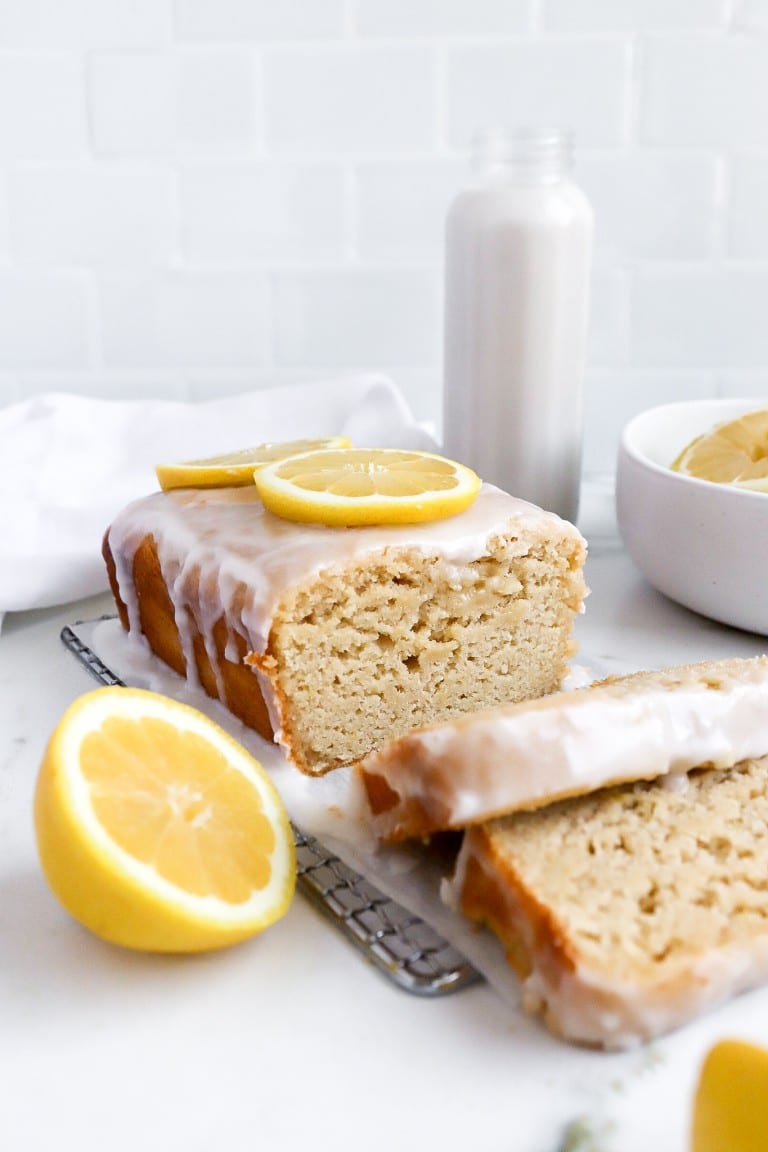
<point x="359" y="486"/>
<point x="235" y="469"/>
<point x="156" y="829"/>
<point x="735" y="452"/>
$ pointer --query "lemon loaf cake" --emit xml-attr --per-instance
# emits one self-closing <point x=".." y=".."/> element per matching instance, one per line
<point x="628" y="912"/>
<point x="520" y="756"/>
<point x="334" y="639"/>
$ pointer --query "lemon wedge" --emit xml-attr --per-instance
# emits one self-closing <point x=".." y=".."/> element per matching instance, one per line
<point x="355" y="486"/>
<point x="732" y="453"/>
<point x="730" y="1112"/>
<point x="156" y="830"/>
<point x="235" y="469"/>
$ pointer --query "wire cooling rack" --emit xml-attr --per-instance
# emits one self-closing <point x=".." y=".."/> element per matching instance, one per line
<point x="404" y="948"/>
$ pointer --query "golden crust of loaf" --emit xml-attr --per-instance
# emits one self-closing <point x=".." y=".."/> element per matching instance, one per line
<point x="628" y="912"/>
<point x="242" y="692"/>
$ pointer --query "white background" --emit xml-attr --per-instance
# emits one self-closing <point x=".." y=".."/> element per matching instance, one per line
<point x="199" y="197"/>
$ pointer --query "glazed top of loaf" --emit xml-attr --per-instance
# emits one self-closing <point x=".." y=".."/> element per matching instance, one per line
<point x="214" y="543"/>
<point x="640" y="726"/>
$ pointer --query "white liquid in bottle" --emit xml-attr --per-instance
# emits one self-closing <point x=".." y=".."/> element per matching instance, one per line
<point x="518" y="249"/>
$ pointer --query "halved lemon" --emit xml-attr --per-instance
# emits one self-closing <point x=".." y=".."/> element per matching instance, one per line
<point x="156" y="830"/>
<point x="354" y="486"/>
<point x="235" y="469"/>
<point x="730" y="1111"/>
<point x="732" y="453"/>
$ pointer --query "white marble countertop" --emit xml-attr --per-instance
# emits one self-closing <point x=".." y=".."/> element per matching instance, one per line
<point x="291" y="1040"/>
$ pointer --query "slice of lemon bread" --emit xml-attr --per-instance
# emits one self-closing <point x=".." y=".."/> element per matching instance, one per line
<point x="524" y="755"/>
<point x="628" y="912"/>
<point x="335" y="639"/>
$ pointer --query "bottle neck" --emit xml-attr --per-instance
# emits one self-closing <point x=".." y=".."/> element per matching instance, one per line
<point x="527" y="157"/>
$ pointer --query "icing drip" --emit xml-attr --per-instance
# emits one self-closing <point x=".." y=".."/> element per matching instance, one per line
<point x="222" y="551"/>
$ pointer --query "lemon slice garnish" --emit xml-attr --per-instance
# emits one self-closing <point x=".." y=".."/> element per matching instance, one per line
<point x="235" y="469"/>
<point x="730" y="1111"/>
<point x="156" y="829"/>
<point x="732" y="453"/>
<point x="355" y="486"/>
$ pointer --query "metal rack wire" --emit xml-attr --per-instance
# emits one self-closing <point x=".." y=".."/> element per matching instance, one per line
<point x="403" y="947"/>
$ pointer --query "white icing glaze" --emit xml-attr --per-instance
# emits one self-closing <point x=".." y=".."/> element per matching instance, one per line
<point x="590" y="1006"/>
<point x="221" y="551"/>
<point x="520" y="755"/>
<point x="677" y="782"/>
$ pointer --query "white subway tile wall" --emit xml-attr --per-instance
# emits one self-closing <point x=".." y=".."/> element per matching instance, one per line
<point x="186" y="317"/>
<point x="43" y="108"/>
<point x="351" y="100"/>
<point x="583" y="83"/>
<point x="747" y="212"/>
<point x="44" y="320"/>
<point x="351" y="316"/>
<point x="93" y="217"/>
<point x="199" y="197"/>
<point x="244" y="213"/>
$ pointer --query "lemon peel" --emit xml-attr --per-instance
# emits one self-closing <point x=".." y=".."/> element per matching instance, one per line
<point x="730" y="1110"/>
<point x="235" y="469"/>
<point x="156" y="829"/>
<point x="355" y="486"/>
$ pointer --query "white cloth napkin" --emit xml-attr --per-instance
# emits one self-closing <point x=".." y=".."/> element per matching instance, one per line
<point x="69" y="463"/>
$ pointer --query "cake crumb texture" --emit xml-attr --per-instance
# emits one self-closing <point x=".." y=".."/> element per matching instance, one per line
<point x="639" y="881"/>
<point x="367" y="654"/>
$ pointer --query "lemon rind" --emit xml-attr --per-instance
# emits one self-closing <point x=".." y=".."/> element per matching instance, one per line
<point x="289" y="502"/>
<point x="208" y="913"/>
<point x="212" y="472"/>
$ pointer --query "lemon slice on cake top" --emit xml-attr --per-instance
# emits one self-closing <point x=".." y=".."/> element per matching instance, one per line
<point x="235" y="469"/>
<point x="363" y="486"/>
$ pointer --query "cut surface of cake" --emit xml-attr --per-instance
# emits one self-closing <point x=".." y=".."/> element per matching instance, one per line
<point x="631" y="911"/>
<point x="524" y="755"/>
<point x="335" y="639"/>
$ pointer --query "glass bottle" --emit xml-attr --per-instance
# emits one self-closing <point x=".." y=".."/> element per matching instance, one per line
<point x="518" y="253"/>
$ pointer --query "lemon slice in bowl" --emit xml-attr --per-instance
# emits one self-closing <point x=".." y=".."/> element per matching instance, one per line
<point x="235" y="469"/>
<point x="157" y="830"/>
<point x="357" y="486"/>
<point x="732" y="453"/>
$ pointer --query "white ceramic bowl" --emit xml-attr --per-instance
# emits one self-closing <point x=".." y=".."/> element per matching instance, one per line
<point x="704" y="545"/>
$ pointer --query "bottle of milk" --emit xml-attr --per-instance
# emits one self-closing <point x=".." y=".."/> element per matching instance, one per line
<point x="518" y="249"/>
